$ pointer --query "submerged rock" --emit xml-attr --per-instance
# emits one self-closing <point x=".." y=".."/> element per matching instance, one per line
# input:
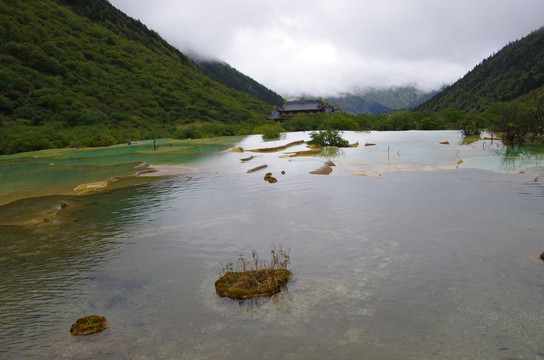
<point x="143" y="165"/>
<point x="278" y="148"/>
<point x="257" y="168"/>
<point x="247" y="159"/>
<point x="236" y="149"/>
<point x="85" y="188"/>
<point x="89" y="325"/>
<point x="302" y="153"/>
<point x="268" y="177"/>
<point x="323" y="170"/>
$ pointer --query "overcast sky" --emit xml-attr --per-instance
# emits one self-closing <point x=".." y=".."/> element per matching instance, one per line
<point x="322" y="48"/>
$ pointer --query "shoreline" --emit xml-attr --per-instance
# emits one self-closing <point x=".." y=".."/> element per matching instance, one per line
<point x="43" y="213"/>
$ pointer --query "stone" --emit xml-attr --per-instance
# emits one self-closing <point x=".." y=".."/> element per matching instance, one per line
<point x="257" y="168"/>
<point x="89" y="325"/>
<point x="271" y="282"/>
<point x="323" y="170"/>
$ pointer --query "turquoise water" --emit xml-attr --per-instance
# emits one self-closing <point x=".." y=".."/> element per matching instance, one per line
<point x="412" y="264"/>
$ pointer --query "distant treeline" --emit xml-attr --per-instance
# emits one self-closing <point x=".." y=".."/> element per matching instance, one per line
<point x="515" y="122"/>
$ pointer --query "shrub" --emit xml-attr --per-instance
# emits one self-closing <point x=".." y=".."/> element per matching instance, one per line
<point x="327" y="138"/>
<point x="269" y="131"/>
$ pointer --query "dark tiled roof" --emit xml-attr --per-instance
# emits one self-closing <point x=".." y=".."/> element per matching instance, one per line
<point x="302" y="106"/>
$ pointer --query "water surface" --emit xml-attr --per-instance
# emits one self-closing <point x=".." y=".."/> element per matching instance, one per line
<point x="412" y="265"/>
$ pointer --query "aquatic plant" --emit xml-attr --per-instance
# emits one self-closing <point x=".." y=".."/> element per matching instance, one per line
<point x="255" y="277"/>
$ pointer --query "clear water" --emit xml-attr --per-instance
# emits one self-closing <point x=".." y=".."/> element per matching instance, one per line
<point x="412" y="265"/>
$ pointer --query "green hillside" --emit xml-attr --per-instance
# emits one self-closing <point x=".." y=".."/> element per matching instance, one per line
<point x="229" y="76"/>
<point x="83" y="73"/>
<point x="515" y="73"/>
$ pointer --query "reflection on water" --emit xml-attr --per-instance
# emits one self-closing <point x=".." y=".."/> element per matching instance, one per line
<point x="406" y="265"/>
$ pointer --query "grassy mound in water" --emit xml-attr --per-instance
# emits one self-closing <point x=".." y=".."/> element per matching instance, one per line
<point x="254" y="278"/>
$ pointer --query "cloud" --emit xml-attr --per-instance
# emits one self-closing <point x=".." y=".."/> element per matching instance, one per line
<point x="326" y="47"/>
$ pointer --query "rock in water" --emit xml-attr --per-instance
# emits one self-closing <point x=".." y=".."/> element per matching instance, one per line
<point x="323" y="170"/>
<point x="89" y="325"/>
<point x="257" y="168"/>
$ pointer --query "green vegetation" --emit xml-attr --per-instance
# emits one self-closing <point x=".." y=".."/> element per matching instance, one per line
<point x="269" y="131"/>
<point x="515" y="122"/>
<point x="83" y="73"/>
<point x="327" y="138"/>
<point x="254" y="278"/>
<point x="229" y="76"/>
<point x="515" y="73"/>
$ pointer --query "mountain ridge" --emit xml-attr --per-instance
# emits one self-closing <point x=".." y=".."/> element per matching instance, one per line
<point x="513" y="73"/>
<point x="84" y="73"/>
<point x="231" y="77"/>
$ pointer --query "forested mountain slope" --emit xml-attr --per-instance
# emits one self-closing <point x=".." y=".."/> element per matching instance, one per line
<point x="229" y="76"/>
<point x="516" y="72"/>
<point x="80" y="72"/>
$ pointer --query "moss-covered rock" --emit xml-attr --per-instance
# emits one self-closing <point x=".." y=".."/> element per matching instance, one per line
<point x="89" y="325"/>
<point x="243" y="285"/>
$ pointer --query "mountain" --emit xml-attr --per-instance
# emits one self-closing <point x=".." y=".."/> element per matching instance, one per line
<point x="229" y="76"/>
<point x="516" y="72"/>
<point x="81" y="72"/>
<point x="399" y="98"/>
<point x="377" y="101"/>
<point x="358" y="104"/>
